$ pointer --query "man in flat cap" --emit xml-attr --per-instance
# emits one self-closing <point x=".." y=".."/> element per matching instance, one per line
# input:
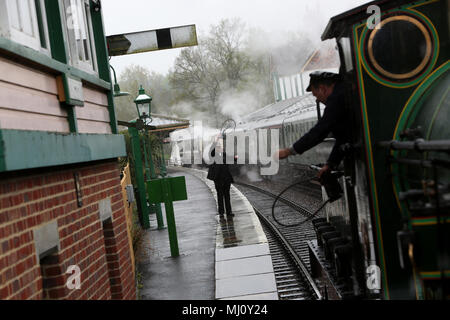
<point x="329" y="90"/>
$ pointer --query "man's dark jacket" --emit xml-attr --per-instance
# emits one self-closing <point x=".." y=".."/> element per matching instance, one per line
<point x="219" y="173"/>
<point x="335" y="119"/>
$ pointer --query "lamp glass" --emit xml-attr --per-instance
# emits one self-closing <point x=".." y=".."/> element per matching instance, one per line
<point x="144" y="109"/>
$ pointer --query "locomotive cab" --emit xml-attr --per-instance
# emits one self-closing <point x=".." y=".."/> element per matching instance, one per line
<point x="395" y="209"/>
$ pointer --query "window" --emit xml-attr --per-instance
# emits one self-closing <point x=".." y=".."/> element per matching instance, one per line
<point x="79" y="33"/>
<point x="347" y="52"/>
<point x="25" y="22"/>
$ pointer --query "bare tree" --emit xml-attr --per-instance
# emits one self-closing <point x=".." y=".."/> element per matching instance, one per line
<point x="225" y="46"/>
<point x="219" y="63"/>
<point x="155" y="85"/>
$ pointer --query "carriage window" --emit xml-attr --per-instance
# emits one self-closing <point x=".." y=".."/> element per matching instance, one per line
<point x="79" y="32"/>
<point x="347" y="52"/>
<point x="26" y="23"/>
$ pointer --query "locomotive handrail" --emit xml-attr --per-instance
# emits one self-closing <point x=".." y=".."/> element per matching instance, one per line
<point x="423" y="163"/>
<point x="315" y="167"/>
<point x="418" y="145"/>
<point x="319" y="166"/>
<point x="423" y="192"/>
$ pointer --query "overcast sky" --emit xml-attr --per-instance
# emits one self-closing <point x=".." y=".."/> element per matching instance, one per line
<point x="271" y="15"/>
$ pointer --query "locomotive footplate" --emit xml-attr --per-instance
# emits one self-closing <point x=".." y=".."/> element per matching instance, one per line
<point x="323" y="272"/>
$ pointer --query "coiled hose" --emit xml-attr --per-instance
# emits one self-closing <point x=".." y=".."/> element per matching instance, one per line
<point x="297" y="223"/>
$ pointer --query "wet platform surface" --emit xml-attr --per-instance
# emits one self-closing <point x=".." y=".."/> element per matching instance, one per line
<point x="220" y="257"/>
<point x="191" y="275"/>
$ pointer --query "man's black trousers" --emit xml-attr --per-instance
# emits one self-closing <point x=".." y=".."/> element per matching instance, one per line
<point x="223" y="194"/>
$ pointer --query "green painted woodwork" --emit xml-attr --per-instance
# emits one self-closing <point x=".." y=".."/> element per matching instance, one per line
<point x="151" y="174"/>
<point x="177" y="189"/>
<point x="72" y="117"/>
<point x="58" y="64"/>
<point x="168" y="190"/>
<point x="151" y="164"/>
<point x="48" y="63"/>
<point x="169" y="197"/>
<point x="56" y="37"/>
<point x="112" y="112"/>
<point x="163" y="161"/>
<point x="139" y="174"/>
<point x="35" y="149"/>
<point x="100" y="44"/>
<point x="103" y="62"/>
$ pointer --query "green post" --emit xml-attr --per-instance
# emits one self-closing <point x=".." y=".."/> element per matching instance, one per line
<point x="168" y="204"/>
<point x="147" y="171"/>
<point x="163" y="161"/>
<point x="155" y="207"/>
<point x="168" y="190"/>
<point x="136" y="149"/>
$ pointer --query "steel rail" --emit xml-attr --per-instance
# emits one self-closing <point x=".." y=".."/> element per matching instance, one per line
<point x="292" y="253"/>
<point x="298" y="261"/>
<point x="304" y="211"/>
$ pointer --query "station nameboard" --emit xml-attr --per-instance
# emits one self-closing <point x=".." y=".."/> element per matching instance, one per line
<point x="144" y="41"/>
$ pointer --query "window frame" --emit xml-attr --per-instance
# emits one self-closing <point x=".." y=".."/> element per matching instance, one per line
<point x="34" y="41"/>
<point x="90" y="65"/>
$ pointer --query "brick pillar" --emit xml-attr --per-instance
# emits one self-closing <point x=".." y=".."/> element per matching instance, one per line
<point x="53" y="278"/>
<point x="112" y="258"/>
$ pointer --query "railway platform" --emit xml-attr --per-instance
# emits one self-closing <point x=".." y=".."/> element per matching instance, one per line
<point x="220" y="258"/>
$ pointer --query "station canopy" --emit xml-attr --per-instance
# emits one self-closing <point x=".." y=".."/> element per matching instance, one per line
<point x="280" y="112"/>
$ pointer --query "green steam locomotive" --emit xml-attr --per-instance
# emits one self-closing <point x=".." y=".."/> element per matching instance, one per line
<point x="390" y="238"/>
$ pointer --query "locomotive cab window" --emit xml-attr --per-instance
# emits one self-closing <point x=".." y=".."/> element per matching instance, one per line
<point x="347" y="53"/>
<point x="78" y="30"/>
<point x="25" y="22"/>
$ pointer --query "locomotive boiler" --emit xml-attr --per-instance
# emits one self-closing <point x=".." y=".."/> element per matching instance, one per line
<point x="390" y="236"/>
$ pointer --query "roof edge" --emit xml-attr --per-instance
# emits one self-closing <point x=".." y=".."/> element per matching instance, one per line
<point x="340" y="21"/>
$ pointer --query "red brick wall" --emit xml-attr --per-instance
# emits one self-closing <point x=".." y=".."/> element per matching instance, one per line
<point x="103" y="256"/>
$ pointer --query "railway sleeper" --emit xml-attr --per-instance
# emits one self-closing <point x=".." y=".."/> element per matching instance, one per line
<point x="293" y="285"/>
<point x="284" y="269"/>
<point x="289" y="276"/>
<point x="288" y="282"/>
<point x="292" y="271"/>
<point x="300" y="294"/>
<point x="293" y="289"/>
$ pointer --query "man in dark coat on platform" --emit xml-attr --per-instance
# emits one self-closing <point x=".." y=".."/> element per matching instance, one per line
<point x="328" y="89"/>
<point x="219" y="172"/>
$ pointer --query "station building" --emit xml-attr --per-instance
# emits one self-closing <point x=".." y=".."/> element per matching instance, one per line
<point x="63" y="230"/>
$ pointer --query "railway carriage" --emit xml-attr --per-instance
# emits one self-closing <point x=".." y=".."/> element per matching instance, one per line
<point x="292" y="118"/>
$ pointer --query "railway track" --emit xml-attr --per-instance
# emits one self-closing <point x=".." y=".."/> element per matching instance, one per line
<point x="288" y="245"/>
